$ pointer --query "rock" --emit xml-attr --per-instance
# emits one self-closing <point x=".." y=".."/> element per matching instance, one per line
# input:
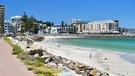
<point x="58" y="59"/>
<point x="37" y="51"/>
<point x="36" y="55"/>
<point x="98" y="74"/>
<point x="37" y="38"/>
<point x="84" y="74"/>
<point x="77" y="70"/>
<point x="88" y="68"/>
<point x="27" y="46"/>
<point x="32" y="52"/>
<point x="49" y="59"/>
<point x="93" y="72"/>
<point x="71" y="66"/>
<point x="65" y="61"/>
<point x="25" y="56"/>
<point x="81" y="66"/>
<point x="87" y="71"/>
<point x="104" y="74"/>
<point x="54" y="65"/>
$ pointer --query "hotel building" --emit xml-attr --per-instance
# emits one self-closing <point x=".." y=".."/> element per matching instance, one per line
<point x="101" y="26"/>
<point x="2" y="18"/>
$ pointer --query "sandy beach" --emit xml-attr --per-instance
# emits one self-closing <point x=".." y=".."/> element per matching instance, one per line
<point x="104" y="60"/>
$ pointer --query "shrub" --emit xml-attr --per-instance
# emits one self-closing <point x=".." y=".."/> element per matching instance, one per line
<point x="29" y="67"/>
<point x="8" y="40"/>
<point x="39" y="70"/>
<point x="17" y="50"/>
<point x="28" y="62"/>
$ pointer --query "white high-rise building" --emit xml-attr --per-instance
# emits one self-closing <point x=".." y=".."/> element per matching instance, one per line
<point x="16" y="23"/>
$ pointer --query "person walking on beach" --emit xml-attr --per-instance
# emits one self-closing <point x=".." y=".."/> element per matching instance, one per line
<point x="90" y="55"/>
<point x="58" y="46"/>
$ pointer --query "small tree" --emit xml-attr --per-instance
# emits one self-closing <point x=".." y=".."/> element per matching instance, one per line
<point x="24" y="22"/>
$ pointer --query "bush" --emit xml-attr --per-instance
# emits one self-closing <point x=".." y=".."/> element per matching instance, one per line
<point x="28" y="62"/>
<point x="39" y="70"/>
<point x="17" y="50"/>
<point x="30" y="67"/>
<point x="8" y="40"/>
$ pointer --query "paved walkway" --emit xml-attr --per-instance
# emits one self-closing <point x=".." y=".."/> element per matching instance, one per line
<point x="9" y="64"/>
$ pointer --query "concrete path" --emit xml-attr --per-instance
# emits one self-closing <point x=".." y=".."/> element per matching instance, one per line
<point x="9" y="64"/>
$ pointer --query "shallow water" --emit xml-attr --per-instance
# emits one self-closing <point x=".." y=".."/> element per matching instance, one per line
<point x="114" y="44"/>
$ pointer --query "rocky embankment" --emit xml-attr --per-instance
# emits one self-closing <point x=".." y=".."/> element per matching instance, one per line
<point x="58" y="61"/>
<point x="29" y="38"/>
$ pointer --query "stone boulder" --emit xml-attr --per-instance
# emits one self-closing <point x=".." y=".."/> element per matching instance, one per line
<point x="25" y="56"/>
<point x="57" y="59"/>
<point x="36" y="51"/>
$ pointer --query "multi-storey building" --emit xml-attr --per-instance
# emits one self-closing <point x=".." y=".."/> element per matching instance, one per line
<point x="1" y="18"/>
<point x="78" y="23"/>
<point x="7" y="27"/>
<point x="101" y="26"/>
<point x="16" y="23"/>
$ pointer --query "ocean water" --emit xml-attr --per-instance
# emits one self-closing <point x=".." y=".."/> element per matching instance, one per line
<point x="119" y="44"/>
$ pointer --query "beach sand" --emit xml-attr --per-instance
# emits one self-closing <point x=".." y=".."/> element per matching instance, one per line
<point x="108" y="61"/>
<point x="103" y="60"/>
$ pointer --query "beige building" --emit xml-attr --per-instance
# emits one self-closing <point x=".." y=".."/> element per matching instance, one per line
<point x="2" y="18"/>
<point x="101" y="26"/>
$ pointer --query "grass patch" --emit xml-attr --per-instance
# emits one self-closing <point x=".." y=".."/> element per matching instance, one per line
<point x="17" y="50"/>
<point x="29" y="67"/>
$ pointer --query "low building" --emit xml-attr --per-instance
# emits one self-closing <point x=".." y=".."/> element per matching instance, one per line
<point x="68" y="29"/>
<point x="7" y="28"/>
<point x="131" y="31"/>
<point x="55" y="30"/>
<point x="42" y="28"/>
<point x="63" y="29"/>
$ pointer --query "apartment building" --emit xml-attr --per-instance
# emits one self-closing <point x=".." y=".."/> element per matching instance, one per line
<point x="101" y="26"/>
<point x="7" y="27"/>
<point x="2" y="18"/>
<point x="16" y="23"/>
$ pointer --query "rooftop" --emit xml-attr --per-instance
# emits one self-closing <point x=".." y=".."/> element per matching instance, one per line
<point x="102" y="21"/>
<point x="16" y="17"/>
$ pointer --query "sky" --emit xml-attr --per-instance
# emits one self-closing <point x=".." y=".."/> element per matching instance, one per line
<point x="87" y="10"/>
